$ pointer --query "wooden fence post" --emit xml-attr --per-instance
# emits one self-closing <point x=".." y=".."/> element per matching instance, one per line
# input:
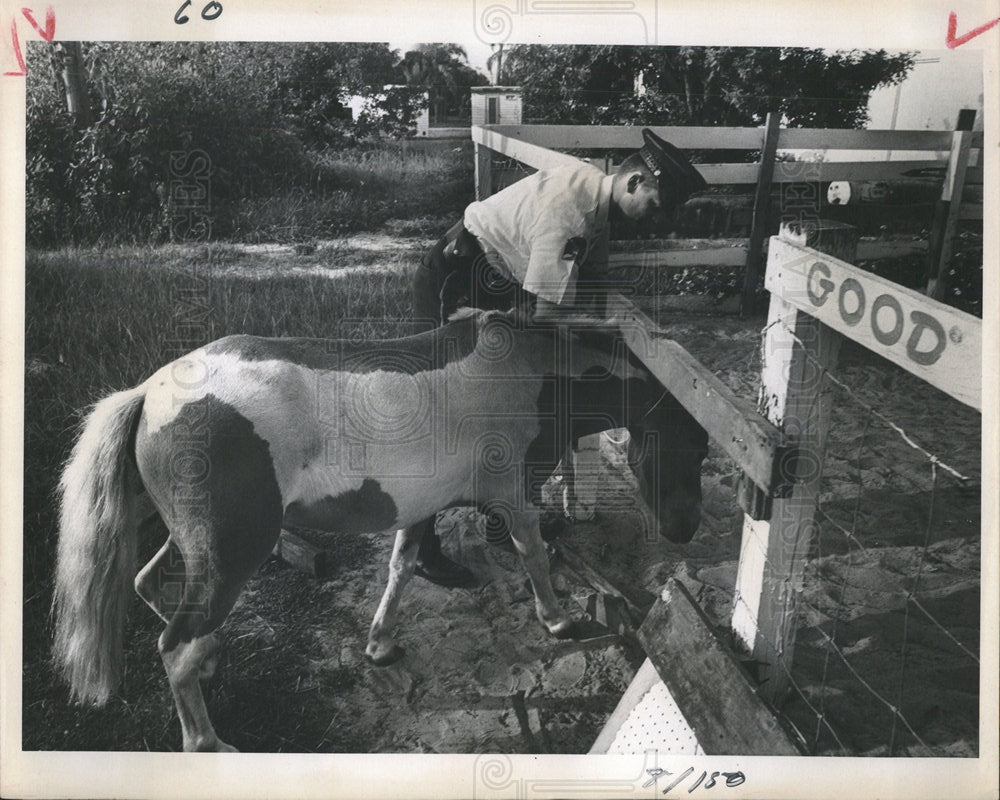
<point x="484" y="172"/>
<point x="761" y="209"/>
<point x="947" y="208"/>
<point x="797" y="349"/>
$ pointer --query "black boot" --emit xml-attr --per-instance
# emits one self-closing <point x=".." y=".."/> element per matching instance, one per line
<point x="436" y="567"/>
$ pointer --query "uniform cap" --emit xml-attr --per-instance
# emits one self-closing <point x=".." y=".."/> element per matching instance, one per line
<point x="677" y="179"/>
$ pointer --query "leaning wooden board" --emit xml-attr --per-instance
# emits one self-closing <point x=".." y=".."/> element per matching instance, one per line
<point x="712" y="690"/>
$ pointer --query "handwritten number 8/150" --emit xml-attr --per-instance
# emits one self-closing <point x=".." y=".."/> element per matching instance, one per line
<point x="209" y="12"/>
<point x="733" y="779"/>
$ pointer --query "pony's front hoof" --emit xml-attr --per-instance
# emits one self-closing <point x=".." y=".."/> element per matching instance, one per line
<point x="226" y="748"/>
<point x="391" y="656"/>
<point x="566" y="629"/>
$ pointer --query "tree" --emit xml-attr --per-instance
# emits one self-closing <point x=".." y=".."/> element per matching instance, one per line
<point x="315" y="79"/>
<point x="69" y="66"/>
<point x="699" y="85"/>
<point x="495" y="63"/>
<point x="443" y="71"/>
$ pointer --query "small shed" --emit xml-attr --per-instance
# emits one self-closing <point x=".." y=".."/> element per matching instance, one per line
<point x="496" y="105"/>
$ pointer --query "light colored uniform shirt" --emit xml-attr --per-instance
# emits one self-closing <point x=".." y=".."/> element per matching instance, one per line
<point x="542" y="230"/>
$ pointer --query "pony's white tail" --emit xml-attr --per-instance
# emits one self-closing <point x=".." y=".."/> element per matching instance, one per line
<point x="96" y="560"/>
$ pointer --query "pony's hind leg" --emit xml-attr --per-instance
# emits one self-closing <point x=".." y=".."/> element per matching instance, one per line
<point x="184" y="664"/>
<point x="223" y="521"/>
<point x="161" y="582"/>
<point x="161" y="585"/>
<point x="188" y="644"/>
<point x="382" y="648"/>
<point x="188" y="648"/>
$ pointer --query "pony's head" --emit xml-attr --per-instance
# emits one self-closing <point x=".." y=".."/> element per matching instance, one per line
<point x="666" y="449"/>
<point x="595" y="383"/>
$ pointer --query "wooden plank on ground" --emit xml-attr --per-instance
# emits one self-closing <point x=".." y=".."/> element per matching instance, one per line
<point x="746" y="437"/>
<point x="301" y="554"/>
<point x="716" y="696"/>
<point x="612" y="613"/>
<point x="637" y="599"/>
<point x="935" y="342"/>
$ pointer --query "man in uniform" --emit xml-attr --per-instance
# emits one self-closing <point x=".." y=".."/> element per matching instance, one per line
<point x="542" y="244"/>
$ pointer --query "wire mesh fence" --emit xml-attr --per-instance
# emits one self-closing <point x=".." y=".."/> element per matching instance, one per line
<point x="886" y="657"/>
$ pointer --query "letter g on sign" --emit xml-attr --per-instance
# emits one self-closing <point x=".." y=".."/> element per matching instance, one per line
<point x="824" y="284"/>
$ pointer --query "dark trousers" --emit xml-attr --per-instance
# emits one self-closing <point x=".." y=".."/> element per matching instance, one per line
<point x="456" y="273"/>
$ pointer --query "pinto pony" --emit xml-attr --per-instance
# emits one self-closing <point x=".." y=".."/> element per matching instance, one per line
<point x="247" y="434"/>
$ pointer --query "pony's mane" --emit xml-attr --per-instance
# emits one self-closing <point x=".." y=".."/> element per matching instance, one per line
<point x="601" y="335"/>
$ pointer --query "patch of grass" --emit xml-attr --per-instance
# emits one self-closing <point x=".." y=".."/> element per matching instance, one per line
<point x="360" y="190"/>
<point x="99" y="321"/>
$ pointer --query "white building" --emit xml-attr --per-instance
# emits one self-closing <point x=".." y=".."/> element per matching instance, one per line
<point x="496" y="105"/>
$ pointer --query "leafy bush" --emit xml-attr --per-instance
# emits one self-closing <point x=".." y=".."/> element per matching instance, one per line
<point x="251" y="107"/>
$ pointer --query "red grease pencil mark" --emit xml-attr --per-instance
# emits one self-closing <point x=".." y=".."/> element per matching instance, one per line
<point x="50" y="23"/>
<point x="47" y="33"/>
<point x="953" y="41"/>
<point x="17" y="51"/>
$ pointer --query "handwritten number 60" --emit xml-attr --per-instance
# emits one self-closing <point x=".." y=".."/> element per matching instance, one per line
<point x="209" y="12"/>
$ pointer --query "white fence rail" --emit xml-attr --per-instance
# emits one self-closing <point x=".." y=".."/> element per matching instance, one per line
<point x="953" y="157"/>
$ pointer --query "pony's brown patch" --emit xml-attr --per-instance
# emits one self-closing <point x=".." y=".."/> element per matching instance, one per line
<point x="364" y="510"/>
<point x="210" y="471"/>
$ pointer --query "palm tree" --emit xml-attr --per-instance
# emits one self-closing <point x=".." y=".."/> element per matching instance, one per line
<point x="495" y="63"/>
<point x="443" y="71"/>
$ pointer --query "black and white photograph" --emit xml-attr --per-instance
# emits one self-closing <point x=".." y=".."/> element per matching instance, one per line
<point x="500" y="400"/>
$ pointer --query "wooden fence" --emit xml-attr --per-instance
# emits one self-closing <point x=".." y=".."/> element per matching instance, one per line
<point x="953" y="157"/>
<point x="777" y="445"/>
<point x="817" y="298"/>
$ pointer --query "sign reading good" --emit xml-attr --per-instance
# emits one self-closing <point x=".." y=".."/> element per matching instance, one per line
<point x="936" y="342"/>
